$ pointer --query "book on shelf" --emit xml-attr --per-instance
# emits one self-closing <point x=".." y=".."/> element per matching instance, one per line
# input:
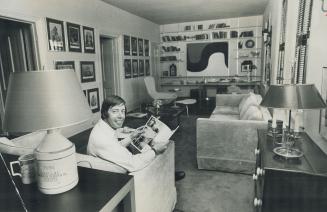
<point x="154" y="131"/>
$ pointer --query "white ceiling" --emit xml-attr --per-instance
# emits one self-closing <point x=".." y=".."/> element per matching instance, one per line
<point x="176" y="11"/>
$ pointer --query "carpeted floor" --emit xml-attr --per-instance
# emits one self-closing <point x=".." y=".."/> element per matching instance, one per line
<point x="207" y="191"/>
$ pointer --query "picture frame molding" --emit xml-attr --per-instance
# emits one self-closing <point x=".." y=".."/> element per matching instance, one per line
<point x="71" y="47"/>
<point x="88" y="48"/>
<point x="51" y="45"/>
<point x="89" y="91"/>
<point x="65" y="63"/>
<point x="87" y="78"/>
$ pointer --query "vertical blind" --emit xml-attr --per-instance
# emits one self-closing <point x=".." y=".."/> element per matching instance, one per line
<point x="302" y="35"/>
<point x="281" y="54"/>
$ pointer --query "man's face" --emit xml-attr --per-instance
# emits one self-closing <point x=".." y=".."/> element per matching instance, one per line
<point x="116" y="116"/>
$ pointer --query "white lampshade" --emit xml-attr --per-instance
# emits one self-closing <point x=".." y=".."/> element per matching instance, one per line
<point x="38" y="100"/>
<point x="48" y="100"/>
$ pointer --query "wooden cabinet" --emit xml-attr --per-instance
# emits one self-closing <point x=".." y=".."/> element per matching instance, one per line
<point x="290" y="184"/>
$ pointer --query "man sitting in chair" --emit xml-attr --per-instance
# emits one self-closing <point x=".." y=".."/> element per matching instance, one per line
<point x="103" y="141"/>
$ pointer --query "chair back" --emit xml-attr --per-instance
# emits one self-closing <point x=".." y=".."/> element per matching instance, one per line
<point x="150" y="86"/>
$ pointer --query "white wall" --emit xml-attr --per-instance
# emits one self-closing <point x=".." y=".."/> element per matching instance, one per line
<point x="106" y="19"/>
<point x="317" y="58"/>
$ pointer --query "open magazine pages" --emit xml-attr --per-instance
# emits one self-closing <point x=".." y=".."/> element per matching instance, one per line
<point x="152" y="132"/>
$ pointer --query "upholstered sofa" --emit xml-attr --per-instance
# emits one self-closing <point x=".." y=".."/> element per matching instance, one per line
<point x="227" y="139"/>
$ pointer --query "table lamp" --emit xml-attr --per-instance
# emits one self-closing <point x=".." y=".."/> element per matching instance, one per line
<point x="292" y="97"/>
<point x="48" y="100"/>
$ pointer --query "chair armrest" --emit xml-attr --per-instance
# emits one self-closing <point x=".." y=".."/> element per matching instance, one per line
<point x="92" y="162"/>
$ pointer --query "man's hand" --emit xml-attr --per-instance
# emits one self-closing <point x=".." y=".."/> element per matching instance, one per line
<point x="160" y="147"/>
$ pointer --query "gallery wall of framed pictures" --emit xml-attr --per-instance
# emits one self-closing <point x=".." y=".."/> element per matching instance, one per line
<point x="136" y="57"/>
<point x="78" y="41"/>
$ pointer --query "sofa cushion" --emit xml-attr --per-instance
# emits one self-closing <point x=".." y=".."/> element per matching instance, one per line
<point x="252" y="113"/>
<point x="265" y="113"/>
<point x="247" y="101"/>
<point x="226" y="110"/>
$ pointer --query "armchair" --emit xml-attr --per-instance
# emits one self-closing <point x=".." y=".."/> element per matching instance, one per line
<point x="154" y="94"/>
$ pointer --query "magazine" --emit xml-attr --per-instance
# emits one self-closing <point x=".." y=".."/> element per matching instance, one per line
<point x="154" y="131"/>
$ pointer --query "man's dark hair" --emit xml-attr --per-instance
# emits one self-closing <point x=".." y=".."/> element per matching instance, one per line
<point x="109" y="102"/>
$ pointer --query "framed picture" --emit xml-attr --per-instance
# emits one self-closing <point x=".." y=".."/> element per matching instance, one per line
<point x="87" y="71"/>
<point x="135" y="68"/>
<point x="323" y="113"/>
<point x="140" y="45"/>
<point x="93" y="99"/>
<point x="141" y="68"/>
<point x="147" y="68"/>
<point x="128" y="68"/>
<point x="134" y="46"/>
<point x="173" y="70"/>
<point x="88" y="36"/>
<point x="127" y="45"/>
<point x="74" y="37"/>
<point x="56" y="35"/>
<point x="65" y="65"/>
<point x="146" y="48"/>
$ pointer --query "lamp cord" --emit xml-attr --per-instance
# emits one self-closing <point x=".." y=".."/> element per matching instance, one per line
<point x="13" y="182"/>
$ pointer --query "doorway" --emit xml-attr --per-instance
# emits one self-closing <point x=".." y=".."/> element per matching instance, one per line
<point x="109" y="65"/>
<point x="18" y="53"/>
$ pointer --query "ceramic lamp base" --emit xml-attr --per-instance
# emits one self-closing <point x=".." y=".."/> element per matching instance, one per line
<point x="56" y="164"/>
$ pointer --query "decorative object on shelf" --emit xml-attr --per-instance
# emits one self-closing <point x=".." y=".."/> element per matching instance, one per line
<point x="56" y="36"/>
<point x="233" y="34"/>
<point x="187" y="28"/>
<point x="168" y="58"/>
<point x="147" y="67"/>
<point x="135" y="68"/>
<point x="54" y="99"/>
<point x="74" y="37"/>
<point x="219" y="35"/>
<point x="128" y="68"/>
<point x="170" y="49"/>
<point x="127" y="45"/>
<point x="247" y="66"/>
<point x="222" y="25"/>
<point x="88" y="35"/>
<point x="141" y="68"/>
<point x="65" y="65"/>
<point x="292" y="97"/>
<point x="240" y="44"/>
<point x="201" y="36"/>
<point x="93" y="99"/>
<point x="146" y="48"/>
<point x="173" y="70"/>
<point x="249" y="44"/>
<point x="246" y="34"/>
<point x="140" y="45"/>
<point x="200" y="26"/>
<point x="211" y="26"/>
<point x="87" y="71"/>
<point x="134" y="46"/>
<point x="255" y="53"/>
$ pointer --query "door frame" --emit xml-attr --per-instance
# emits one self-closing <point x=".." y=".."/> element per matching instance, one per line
<point x="116" y="67"/>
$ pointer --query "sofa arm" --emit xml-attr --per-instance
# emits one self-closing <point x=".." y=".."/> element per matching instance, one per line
<point x="155" y="184"/>
<point x="227" y="145"/>
<point x="232" y="100"/>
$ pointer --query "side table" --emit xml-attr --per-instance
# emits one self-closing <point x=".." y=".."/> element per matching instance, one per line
<point x="96" y="191"/>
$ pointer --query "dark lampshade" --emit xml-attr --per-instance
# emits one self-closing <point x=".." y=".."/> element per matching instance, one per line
<point x="297" y="96"/>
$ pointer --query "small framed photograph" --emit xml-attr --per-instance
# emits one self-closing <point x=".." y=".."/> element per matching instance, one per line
<point x="141" y="68"/>
<point x="87" y="71"/>
<point x="93" y="99"/>
<point x="65" y="65"/>
<point x="128" y="68"/>
<point x="173" y="70"/>
<point x="135" y="68"/>
<point x="127" y="45"/>
<point x="147" y="67"/>
<point x="56" y="35"/>
<point x="134" y="46"/>
<point x="140" y="45"/>
<point x="187" y="28"/>
<point x="74" y="37"/>
<point x="88" y="36"/>
<point x="146" y="48"/>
